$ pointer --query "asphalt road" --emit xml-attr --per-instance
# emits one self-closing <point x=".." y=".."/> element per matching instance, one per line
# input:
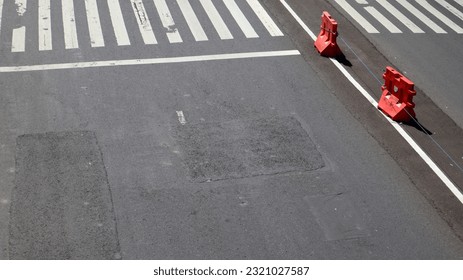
<point x="252" y="158"/>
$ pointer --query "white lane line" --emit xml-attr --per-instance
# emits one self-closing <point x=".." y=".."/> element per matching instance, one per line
<point x="451" y="8"/>
<point x="192" y="20"/>
<point x="181" y="117"/>
<point x="398" y="128"/>
<point x="431" y="24"/>
<point x="120" y="31"/>
<point x="167" y="21"/>
<point x="400" y="16"/>
<point x="45" y="41"/>
<point x="216" y="20"/>
<point x="383" y="20"/>
<point x="459" y="2"/>
<point x="440" y="16"/>
<point x="241" y="19"/>
<point x="94" y="24"/>
<point x="357" y="16"/>
<point x="149" y="61"/>
<point x="69" y="25"/>
<point x="143" y="22"/>
<point x="265" y="18"/>
<point x="1" y="13"/>
<point x="18" y="42"/>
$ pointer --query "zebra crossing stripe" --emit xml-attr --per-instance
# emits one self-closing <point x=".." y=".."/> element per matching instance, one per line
<point x="120" y="31"/>
<point x="192" y="20"/>
<point x="400" y="16"/>
<point x="431" y="24"/>
<point x="459" y="2"/>
<point x="451" y="8"/>
<point x="94" y="25"/>
<point x="143" y="22"/>
<point x="45" y="42"/>
<point x="241" y="19"/>
<point x="19" y="39"/>
<point x="69" y="25"/>
<point x="357" y="16"/>
<point x="216" y="20"/>
<point x="168" y="21"/>
<point x="383" y="20"/>
<point x="440" y="16"/>
<point x="264" y="17"/>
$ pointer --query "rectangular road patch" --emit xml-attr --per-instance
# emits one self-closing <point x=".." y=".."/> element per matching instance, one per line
<point x="61" y="206"/>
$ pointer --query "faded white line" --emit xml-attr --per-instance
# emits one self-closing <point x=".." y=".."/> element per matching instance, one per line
<point x="120" y="31"/>
<point x="450" y="185"/>
<point x="455" y="27"/>
<point x="241" y="19"/>
<point x="168" y="21"/>
<point x="149" y="61"/>
<point x="1" y="13"/>
<point x="216" y="20"/>
<point x="383" y="20"/>
<point x="192" y="20"/>
<point x="264" y="17"/>
<point x="431" y="24"/>
<point x="18" y="42"/>
<point x="94" y="24"/>
<point x="181" y="117"/>
<point x="144" y="23"/>
<point x="451" y="8"/>
<point x="45" y="41"/>
<point x="21" y="7"/>
<point x="357" y="16"/>
<point x="69" y="25"/>
<point x="400" y="16"/>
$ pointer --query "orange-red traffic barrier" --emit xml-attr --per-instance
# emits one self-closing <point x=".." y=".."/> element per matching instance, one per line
<point x="397" y="98"/>
<point x="326" y="41"/>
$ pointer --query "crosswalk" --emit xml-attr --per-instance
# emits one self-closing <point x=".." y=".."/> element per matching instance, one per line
<point x="400" y="16"/>
<point x="194" y="14"/>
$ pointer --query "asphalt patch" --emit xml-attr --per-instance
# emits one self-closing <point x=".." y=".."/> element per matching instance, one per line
<point x="61" y="206"/>
<point x="246" y="148"/>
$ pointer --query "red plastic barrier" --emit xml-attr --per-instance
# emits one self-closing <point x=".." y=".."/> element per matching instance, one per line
<point x="397" y="98"/>
<point x="326" y="41"/>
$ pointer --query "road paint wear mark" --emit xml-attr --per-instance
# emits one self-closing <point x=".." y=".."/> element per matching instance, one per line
<point x="21" y="7"/>
<point x="181" y="117"/>
<point x="216" y="20"/>
<point x="120" y="31"/>
<point x="451" y="8"/>
<point x="18" y="42"/>
<point x="440" y="16"/>
<point x="168" y="21"/>
<point x="241" y="19"/>
<point x="143" y="22"/>
<point x="69" y="25"/>
<point x="149" y="61"/>
<point x="383" y="20"/>
<point x="431" y="24"/>
<point x="400" y="16"/>
<point x="94" y="24"/>
<point x="192" y="20"/>
<point x="264" y="17"/>
<point x="358" y="17"/>
<point x="45" y="41"/>
<point x="458" y="194"/>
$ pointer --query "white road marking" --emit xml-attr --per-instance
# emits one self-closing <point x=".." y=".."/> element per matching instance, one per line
<point x="94" y="24"/>
<point x="383" y="20"/>
<point x="431" y="24"/>
<point x="451" y="8"/>
<point x="264" y="17"/>
<point x="459" y="2"/>
<point x="45" y="42"/>
<point x="120" y="31"/>
<point x="241" y="19"/>
<point x="69" y="25"/>
<point x="357" y="16"/>
<point x="149" y="61"/>
<point x="192" y="20"/>
<point x="18" y="42"/>
<point x="168" y="21"/>
<point x="181" y="117"/>
<point x="21" y="7"/>
<point x="216" y="20"/>
<point x="450" y="185"/>
<point x="1" y="13"/>
<point x="400" y="16"/>
<point x="440" y="16"/>
<point x="143" y="22"/>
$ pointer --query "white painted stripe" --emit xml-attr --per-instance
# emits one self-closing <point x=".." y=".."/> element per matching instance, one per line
<point x="451" y="8"/>
<point x="94" y="24"/>
<point x="265" y="18"/>
<point x="69" y="25"/>
<point x="167" y="21"/>
<point x="143" y="22"/>
<point x="21" y="7"/>
<point x="45" y="41"/>
<point x="120" y="31"/>
<point x="383" y="20"/>
<point x="181" y="117"/>
<point x="241" y="19"/>
<point x="440" y="16"/>
<point x="400" y="16"/>
<point x="358" y="17"/>
<point x="1" y="13"/>
<point x="431" y="24"/>
<point x="18" y="42"/>
<point x="192" y="20"/>
<point x="216" y="20"/>
<point x="399" y="129"/>
<point x="149" y="61"/>
<point x="459" y="2"/>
